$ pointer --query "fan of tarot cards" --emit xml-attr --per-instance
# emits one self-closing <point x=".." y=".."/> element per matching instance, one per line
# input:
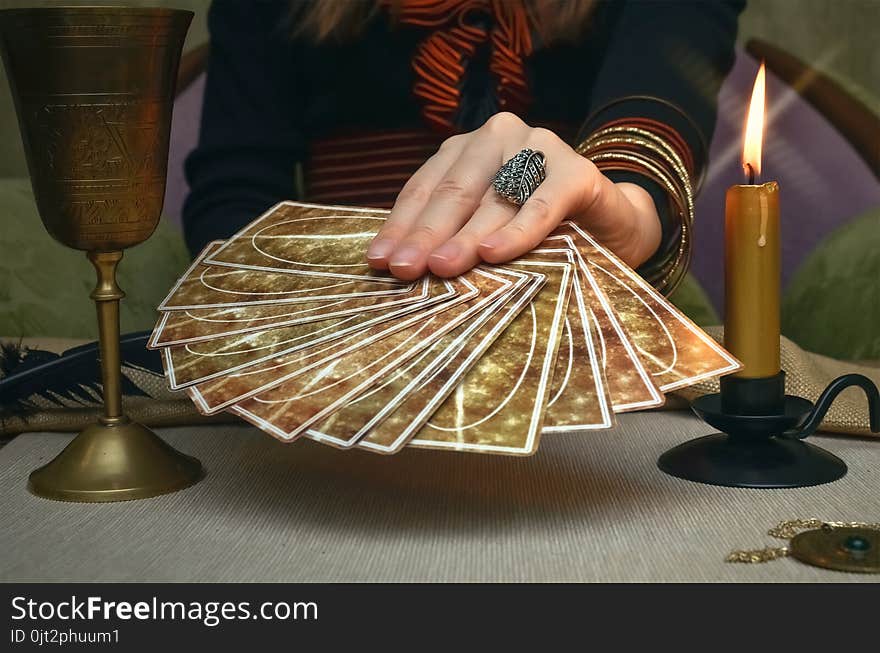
<point x="285" y="325"/>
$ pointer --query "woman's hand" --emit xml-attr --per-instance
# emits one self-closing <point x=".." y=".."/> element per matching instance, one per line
<point x="448" y="217"/>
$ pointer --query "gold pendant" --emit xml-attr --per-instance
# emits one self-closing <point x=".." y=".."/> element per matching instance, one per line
<point x="853" y="549"/>
<point x="842" y="546"/>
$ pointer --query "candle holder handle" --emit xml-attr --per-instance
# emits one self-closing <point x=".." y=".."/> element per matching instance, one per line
<point x="823" y="403"/>
<point x="761" y="444"/>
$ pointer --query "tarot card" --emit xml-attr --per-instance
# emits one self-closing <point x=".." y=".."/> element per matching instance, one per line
<point x="579" y="396"/>
<point x="408" y="399"/>
<point x="195" y="324"/>
<point x="355" y="419"/>
<point x="676" y="352"/>
<point x="328" y="241"/>
<point x="221" y="392"/>
<point x="287" y="409"/>
<point x="499" y="405"/>
<point x="628" y="382"/>
<point x="196" y="362"/>
<point x="206" y="286"/>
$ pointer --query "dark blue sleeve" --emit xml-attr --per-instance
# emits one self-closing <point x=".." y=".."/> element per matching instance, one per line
<point x="666" y="60"/>
<point x="249" y="142"/>
<point x="676" y="51"/>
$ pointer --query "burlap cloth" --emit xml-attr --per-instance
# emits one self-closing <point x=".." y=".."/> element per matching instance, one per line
<point x="807" y="375"/>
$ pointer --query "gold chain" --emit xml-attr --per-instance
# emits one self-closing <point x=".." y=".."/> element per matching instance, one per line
<point x="785" y="530"/>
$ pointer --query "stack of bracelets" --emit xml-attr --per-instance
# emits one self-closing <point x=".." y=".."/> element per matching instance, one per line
<point x="652" y="149"/>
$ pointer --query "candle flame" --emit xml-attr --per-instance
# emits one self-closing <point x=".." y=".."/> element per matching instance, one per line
<point x="754" y="136"/>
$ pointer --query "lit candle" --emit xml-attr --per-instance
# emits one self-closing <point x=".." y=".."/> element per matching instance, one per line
<point x="752" y="257"/>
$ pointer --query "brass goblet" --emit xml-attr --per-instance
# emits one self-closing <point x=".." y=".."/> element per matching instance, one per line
<point x="93" y="88"/>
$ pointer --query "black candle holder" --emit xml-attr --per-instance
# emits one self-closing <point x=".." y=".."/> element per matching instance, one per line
<point x="762" y="440"/>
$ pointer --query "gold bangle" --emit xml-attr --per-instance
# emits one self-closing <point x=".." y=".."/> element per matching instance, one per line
<point x="672" y="161"/>
<point x="636" y="149"/>
<point x="641" y="138"/>
<point x="697" y="131"/>
<point x="672" y="270"/>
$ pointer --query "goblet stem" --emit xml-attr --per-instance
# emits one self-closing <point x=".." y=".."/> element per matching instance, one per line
<point x="107" y="295"/>
<point x="115" y="459"/>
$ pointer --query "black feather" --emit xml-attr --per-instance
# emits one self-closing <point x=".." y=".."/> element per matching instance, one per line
<point x="11" y="357"/>
<point x="31" y="373"/>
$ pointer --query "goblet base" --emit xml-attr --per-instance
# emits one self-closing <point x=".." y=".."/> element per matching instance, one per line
<point x="118" y="460"/>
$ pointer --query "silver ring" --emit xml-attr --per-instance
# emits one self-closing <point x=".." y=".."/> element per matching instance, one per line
<point x="517" y="179"/>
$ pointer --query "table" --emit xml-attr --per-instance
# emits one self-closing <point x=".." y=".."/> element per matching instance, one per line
<point x="588" y="506"/>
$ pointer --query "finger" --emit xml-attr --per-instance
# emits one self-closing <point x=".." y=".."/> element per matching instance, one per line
<point x="410" y="201"/>
<point x="568" y="186"/>
<point x="638" y="243"/>
<point x="452" y="203"/>
<point x="460" y="253"/>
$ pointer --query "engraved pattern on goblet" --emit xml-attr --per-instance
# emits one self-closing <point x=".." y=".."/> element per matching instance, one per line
<point x="94" y="90"/>
<point x="105" y="165"/>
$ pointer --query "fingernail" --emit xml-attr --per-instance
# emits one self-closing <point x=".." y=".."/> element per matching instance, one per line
<point x="447" y="252"/>
<point x="380" y="248"/>
<point x="491" y="242"/>
<point x="406" y="256"/>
